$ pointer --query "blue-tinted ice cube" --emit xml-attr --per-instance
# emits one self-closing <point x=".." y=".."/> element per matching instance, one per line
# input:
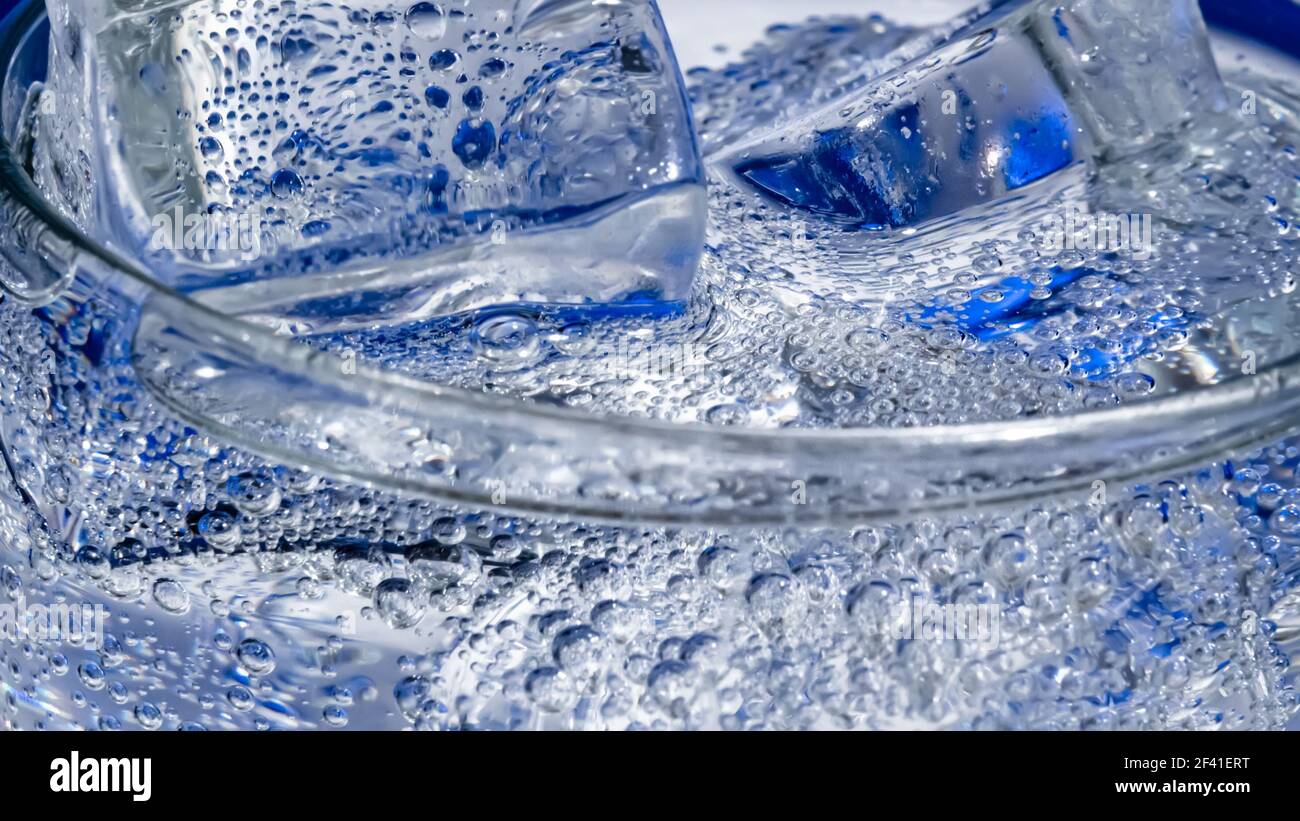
<point x="1027" y="89"/>
<point x="324" y="165"/>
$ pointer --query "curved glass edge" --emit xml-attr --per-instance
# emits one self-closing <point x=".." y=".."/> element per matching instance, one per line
<point x="348" y="420"/>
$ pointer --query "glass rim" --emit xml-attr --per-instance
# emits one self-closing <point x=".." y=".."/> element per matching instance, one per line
<point x="1061" y="453"/>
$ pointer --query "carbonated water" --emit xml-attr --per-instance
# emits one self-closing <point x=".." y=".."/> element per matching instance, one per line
<point x="247" y="593"/>
<point x="290" y="158"/>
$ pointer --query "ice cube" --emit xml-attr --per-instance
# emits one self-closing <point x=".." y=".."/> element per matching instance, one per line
<point x="1025" y="90"/>
<point x="323" y="165"/>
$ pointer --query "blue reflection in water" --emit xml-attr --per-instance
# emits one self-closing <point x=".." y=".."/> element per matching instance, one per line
<point x="885" y="177"/>
<point x="1037" y="148"/>
<point x="1016" y="311"/>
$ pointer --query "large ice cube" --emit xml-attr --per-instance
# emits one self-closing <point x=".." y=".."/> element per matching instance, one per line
<point x="1028" y="88"/>
<point x="323" y="165"/>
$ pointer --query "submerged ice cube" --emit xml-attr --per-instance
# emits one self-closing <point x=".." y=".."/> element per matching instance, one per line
<point x="1023" y="91"/>
<point x="322" y="165"/>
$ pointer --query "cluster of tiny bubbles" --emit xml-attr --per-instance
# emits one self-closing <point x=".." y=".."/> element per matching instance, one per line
<point x="329" y="119"/>
<point x="796" y="322"/>
<point x="245" y="594"/>
<point x="793" y="67"/>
